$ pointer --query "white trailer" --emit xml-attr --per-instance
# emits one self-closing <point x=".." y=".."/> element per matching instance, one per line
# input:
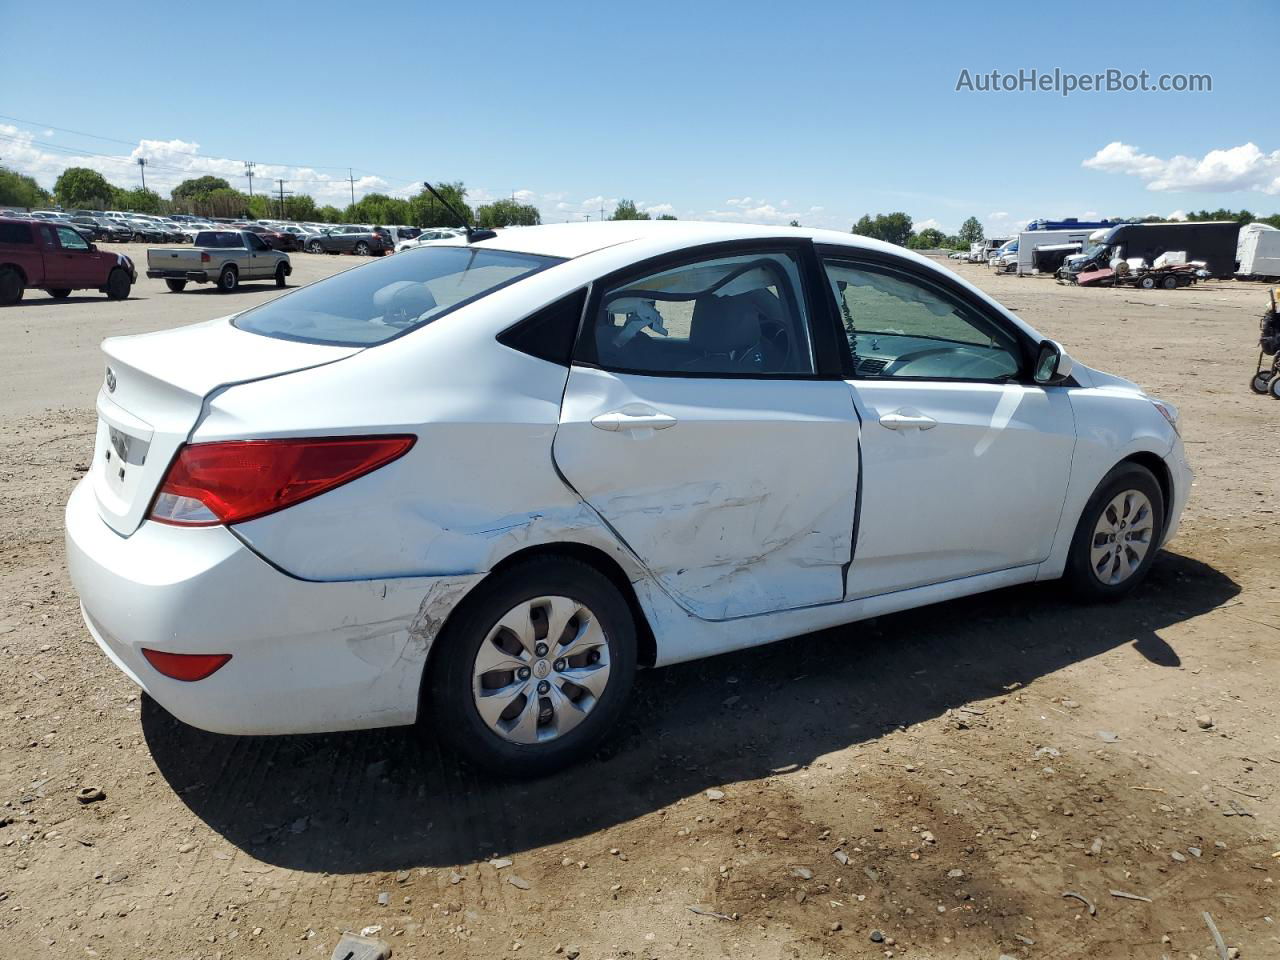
<point x="1258" y="252"/>
<point x="1029" y="240"/>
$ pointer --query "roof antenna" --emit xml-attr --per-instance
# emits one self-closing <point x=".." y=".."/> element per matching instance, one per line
<point x="474" y="234"/>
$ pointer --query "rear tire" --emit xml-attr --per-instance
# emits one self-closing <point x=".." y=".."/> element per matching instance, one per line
<point x="118" y="285"/>
<point x="1147" y="283"/>
<point x="1169" y="283"/>
<point x="281" y="276"/>
<point x="1118" y="535"/>
<point x="1261" y="381"/>
<point x="59" y="294"/>
<point x="228" y="279"/>
<point x="11" y="286"/>
<point x="362" y="249"/>
<point x="1273" y="388"/>
<point x="176" y="286"/>
<point x="451" y="691"/>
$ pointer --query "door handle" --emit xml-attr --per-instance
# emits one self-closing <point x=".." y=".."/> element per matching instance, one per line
<point x="624" y="419"/>
<point x="899" y="420"/>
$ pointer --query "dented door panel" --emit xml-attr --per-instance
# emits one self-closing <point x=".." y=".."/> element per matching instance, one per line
<point x="737" y="494"/>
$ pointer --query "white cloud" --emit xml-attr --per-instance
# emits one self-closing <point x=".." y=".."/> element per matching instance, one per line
<point x="1219" y="171"/>
<point x="929" y="223"/>
<point x="1177" y="215"/>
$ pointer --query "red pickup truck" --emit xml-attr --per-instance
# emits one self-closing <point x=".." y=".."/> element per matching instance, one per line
<point x="55" y="258"/>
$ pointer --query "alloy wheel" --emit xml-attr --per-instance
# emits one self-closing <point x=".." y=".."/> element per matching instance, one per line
<point x="1122" y="537"/>
<point x="541" y="670"/>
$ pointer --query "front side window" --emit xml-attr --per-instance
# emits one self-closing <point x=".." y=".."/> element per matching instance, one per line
<point x="71" y="240"/>
<point x="379" y="301"/>
<point x="737" y="316"/>
<point x="899" y="325"/>
<point x="257" y="243"/>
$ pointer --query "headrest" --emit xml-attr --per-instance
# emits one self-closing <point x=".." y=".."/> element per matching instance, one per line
<point x="724" y="324"/>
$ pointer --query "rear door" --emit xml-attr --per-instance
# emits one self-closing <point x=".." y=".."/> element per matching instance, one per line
<point x="965" y="460"/>
<point x="705" y="420"/>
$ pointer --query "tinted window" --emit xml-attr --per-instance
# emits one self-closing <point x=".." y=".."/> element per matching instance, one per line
<point x="256" y="242"/>
<point x="71" y="240"/>
<point x="900" y="325"/>
<point x="15" y="233"/>
<point x="373" y="303"/>
<point x="218" y="239"/>
<point x="737" y="315"/>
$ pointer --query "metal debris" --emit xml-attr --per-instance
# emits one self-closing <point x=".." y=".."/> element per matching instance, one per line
<point x="1129" y="896"/>
<point x="1217" y="937"/>
<point x="1093" y="911"/>
<point x="703" y="912"/>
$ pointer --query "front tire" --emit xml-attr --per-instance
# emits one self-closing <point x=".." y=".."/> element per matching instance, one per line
<point x="533" y="668"/>
<point x="281" y="276"/>
<point x="1118" y="535"/>
<point x="118" y="285"/>
<point x="228" y="279"/>
<point x="314" y="247"/>
<point x="1261" y="381"/>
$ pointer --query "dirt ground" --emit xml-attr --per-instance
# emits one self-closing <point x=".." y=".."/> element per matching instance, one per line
<point x="925" y="785"/>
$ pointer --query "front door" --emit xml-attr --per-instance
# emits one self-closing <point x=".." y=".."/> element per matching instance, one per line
<point x="72" y="263"/>
<point x="965" y="459"/>
<point x="262" y="262"/>
<point x="694" y="422"/>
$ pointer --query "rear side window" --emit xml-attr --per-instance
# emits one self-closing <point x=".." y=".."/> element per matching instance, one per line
<point x="15" y="233"/>
<point x="386" y="298"/>
<point x="218" y="240"/>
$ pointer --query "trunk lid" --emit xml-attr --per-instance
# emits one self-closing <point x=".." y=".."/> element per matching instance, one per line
<point x="153" y="395"/>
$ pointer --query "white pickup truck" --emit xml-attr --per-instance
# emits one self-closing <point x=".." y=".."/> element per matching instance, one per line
<point x="224" y="257"/>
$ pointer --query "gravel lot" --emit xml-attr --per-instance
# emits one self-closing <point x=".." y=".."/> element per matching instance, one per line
<point x="924" y="785"/>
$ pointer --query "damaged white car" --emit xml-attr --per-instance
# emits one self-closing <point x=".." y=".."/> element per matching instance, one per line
<point x="476" y="485"/>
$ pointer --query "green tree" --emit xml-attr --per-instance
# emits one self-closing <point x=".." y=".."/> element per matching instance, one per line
<point x="378" y="209"/>
<point x="927" y="239"/>
<point x="426" y="211"/>
<point x="970" y="231"/>
<point x="507" y="213"/>
<point x="261" y="206"/>
<point x="300" y="207"/>
<point x="889" y="227"/>
<point x="1239" y="216"/>
<point x="794" y="223"/>
<point x="140" y="201"/>
<point x="223" y="202"/>
<point x="626" y="210"/>
<point x="82" y="187"/>
<point x="190" y="189"/>
<point x="665" y="216"/>
<point x="328" y="214"/>
<point x="19" y="190"/>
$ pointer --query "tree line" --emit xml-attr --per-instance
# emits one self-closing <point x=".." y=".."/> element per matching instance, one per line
<point x="209" y="196"/>
<point x="897" y="228"/>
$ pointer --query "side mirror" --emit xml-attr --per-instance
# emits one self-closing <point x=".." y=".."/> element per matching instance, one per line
<point x="1053" y="364"/>
<point x="93" y="248"/>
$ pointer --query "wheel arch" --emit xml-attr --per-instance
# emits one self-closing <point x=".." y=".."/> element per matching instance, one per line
<point x="16" y="268"/>
<point x="1160" y="470"/>
<point x="592" y="556"/>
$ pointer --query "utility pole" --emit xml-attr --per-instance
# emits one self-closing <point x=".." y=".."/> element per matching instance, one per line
<point x="352" y="179"/>
<point x="602" y="212"/>
<point x="142" y="168"/>
<point x="248" y="172"/>
<point x="282" y="196"/>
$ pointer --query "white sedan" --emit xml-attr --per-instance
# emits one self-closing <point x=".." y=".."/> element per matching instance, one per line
<point x="476" y="485"/>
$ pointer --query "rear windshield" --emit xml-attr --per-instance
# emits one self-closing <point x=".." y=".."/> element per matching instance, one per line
<point x="379" y="301"/>
<point x="216" y="239"/>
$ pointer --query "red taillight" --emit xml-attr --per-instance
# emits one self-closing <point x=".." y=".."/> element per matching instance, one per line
<point x="236" y="480"/>
<point x="186" y="666"/>
<point x="204" y="257"/>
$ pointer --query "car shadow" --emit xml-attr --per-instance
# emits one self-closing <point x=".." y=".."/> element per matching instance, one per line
<point x="47" y="301"/>
<point x="385" y="800"/>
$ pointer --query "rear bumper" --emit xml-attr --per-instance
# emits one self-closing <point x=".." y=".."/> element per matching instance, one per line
<point x="306" y="657"/>
<point x="199" y="276"/>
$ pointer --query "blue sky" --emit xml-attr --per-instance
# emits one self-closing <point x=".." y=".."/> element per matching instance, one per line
<point x="748" y="111"/>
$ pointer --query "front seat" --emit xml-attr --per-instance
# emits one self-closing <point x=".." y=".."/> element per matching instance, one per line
<point x="725" y="337"/>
